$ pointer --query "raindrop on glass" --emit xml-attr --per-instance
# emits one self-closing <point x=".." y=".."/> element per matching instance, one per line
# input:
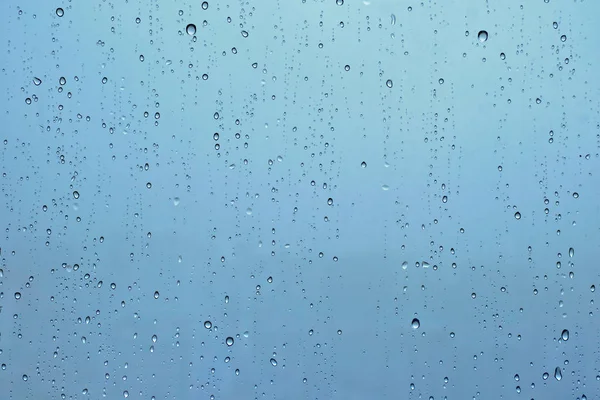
<point x="229" y="341"/>
<point x="558" y="374"/>
<point x="565" y="335"/>
<point x="415" y="323"/>
<point x="190" y="29"/>
<point x="60" y="12"/>
<point x="482" y="36"/>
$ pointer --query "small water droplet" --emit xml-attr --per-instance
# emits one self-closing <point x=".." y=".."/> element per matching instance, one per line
<point x="60" y="12"/>
<point x="565" y="335"/>
<point x="207" y="324"/>
<point x="274" y="361"/>
<point x="393" y="19"/>
<point x="229" y="341"/>
<point x="37" y="81"/>
<point x="517" y="215"/>
<point x="389" y="83"/>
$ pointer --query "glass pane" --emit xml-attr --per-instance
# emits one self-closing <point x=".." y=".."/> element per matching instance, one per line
<point x="299" y="199"/>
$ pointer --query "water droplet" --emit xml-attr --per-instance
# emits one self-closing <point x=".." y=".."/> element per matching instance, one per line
<point x="517" y="215"/>
<point x="482" y="36"/>
<point x="563" y="38"/>
<point x="229" y="341"/>
<point x="389" y="83"/>
<point x="207" y="324"/>
<point x="575" y="195"/>
<point x="17" y="295"/>
<point x="274" y="361"/>
<point x="25" y="377"/>
<point x="339" y="332"/>
<point x="156" y="295"/>
<point x="190" y="29"/>
<point x="76" y="194"/>
<point x="558" y="374"/>
<point x="330" y="201"/>
<point x="205" y="5"/>
<point x="60" y="12"/>
<point x="339" y="2"/>
<point x="502" y="56"/>
<point x="565" y="335"/>
<point x="363" y="164"/>
<point x="37" y="81"/>
<point x="393" y="19"/>
<point x="571" y="252"/>
<point x="415" y="323"/>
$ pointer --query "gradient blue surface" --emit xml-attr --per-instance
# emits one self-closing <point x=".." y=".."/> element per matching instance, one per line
<point x="307" y="178"/>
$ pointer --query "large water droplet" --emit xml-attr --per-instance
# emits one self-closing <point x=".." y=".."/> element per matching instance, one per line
<point x="482" y="36"/>
<point x="190" y="29"/>
<point x="565" y="335"/>
<point x="229" y="341"/>
<point x="415" y="323"/>
<point x="558" y="374"/>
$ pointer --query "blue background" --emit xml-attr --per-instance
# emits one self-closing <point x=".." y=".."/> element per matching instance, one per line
<point x="237" y="228"/>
